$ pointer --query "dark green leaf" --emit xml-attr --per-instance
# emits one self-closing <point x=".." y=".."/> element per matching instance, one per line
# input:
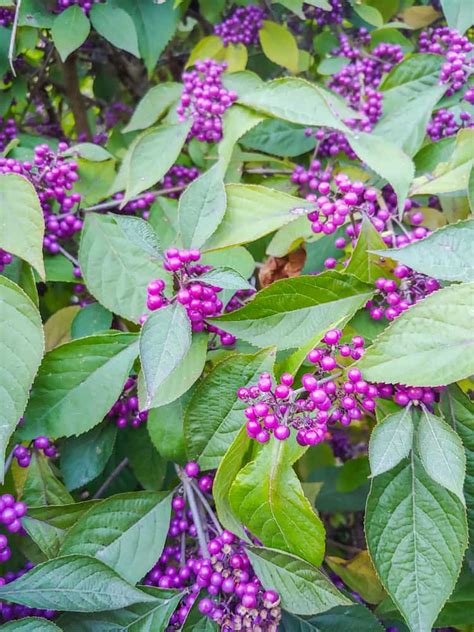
<point x="77" y="385"/>
<point x="279" y="138"/>
<point x="146" y="463"/>
<point x="41" y="486"/>
<point x="126" y="531"/>
<point x="153" y="105"/>
<point x="165" y="339"/>
<point x="364" y="265"/>
<point x="84" y="458"/>
<point x="21" y="350"/>
<point x="70" y="30"/>
<point x="355" y="618"/>
<point x="116" y="26"/>
<point x="76" y="583"/>
<point x="92" y="319"/>
<point x="31" y="624"/>
<point x="165" y="426"/>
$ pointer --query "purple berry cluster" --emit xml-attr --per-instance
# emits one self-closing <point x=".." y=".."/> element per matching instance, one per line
<point x="392" y="299"/>
<point x="6" y="16"/>
<point x="443" y="123"/>
<point x="410" y="395"/>
<point x="323" y="399"/>
<point x="138" y="206"/>
<point x="23" y="453"/>
<point x="242" y="27"/>
<point x="323" y="17"/>
<point x="308" y="180"/>
<point x="8" y="131"/>
<point x="124" y="413"/>
<point x="5" y="259"/>
<point x="179" y="176"/>
<point x="218" y="577"/>
<point x="204" y="100"/>
<point x="14" y="611"/>
<point x="85" y="5"/>
<point x="11" y="513"/>
<point x="240" y="298"/>
<point x="53" y="177"/>
<point x="200" y="299"/>
<point x="358" y="81"/>
<point x="455" y="48"/>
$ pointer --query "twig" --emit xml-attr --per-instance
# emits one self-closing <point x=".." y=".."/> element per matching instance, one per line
<point x="188" y="490"/>
<point x="344" y="547"/>
<point x="8" y="462"/>
<point x="268" y="172"/>
<point x="11" y="47"/>
<point x="207" y="507"/>
<point x="74" y="96"/>
<point x="104" y="206"/>
<point x="72" y="259"/>
<point x="123" y="464"/>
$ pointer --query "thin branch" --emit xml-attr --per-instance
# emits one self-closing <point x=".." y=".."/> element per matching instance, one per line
<point x="75" y="97"/>
<point x="8" y="462"/>
<point x="188" y="490"/>
<point x="207" y="507"/>
<point x="11" y="47"/>
<point x="104" y="206"/>
<point x="72" y="259"/>
<point x="123" y="464"/>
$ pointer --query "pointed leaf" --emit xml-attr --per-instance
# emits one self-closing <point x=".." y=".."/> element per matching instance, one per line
<point x="31" y="624"/>
<point x="357" y="618"/>
<point x="21" y="350"/>
<point x="116" y="26"/>
<point x="416" y="535"/>
<point x="391" y="441"/>
<point x="364" y="265"/>
<point x="225" y="278"/>
<point x="202" y="207"/>
<point x="445" y="254"/>
<point x="214" y="415"/>
<point x="291" y="311"/>
<point x="77" y="385"/>
<point x="41" y="486"/>
<point x="141" y="234"/>
<point x="279" y="45"/>
<point x="76" y="583"/>
<point x="441" y="452"/>
<point x="268" y="499"/>
<point x="126" y="531"/>
<point x="428" y="345"/>
<point x="70" y="30"/>
<point x="116" y="270"/>
<point x="165" y="339"/>
<point x="303" y="588"/>
<point x="153" y="106"/>
<point x="21" y="220"/>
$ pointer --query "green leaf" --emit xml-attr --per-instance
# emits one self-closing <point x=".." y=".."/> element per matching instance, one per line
<point x="364" y="265"/>
<point x="149" y="157"/>
<point x="84" y="458"/>
<point x="126" y="531"/>
<point x="254" y="211"/>
<point x="406" y="127"/>
<point x="441" y="452"/>
<point x="458" y="14"/>
<point x="88" y="151"/>
<point x="291" y="311"/>
<point x="165" y="427"/>
<point x="70" y="30"/>
<point x="116" y="26"/>
<point x="136" y="618"/>
<point x="353" y="474"/>
<point x="445" y="254"/>
<point x="236" y="122"/>
<point x="303" y="589"/>
<point x="428" y="345"/>
<point x="406" y="81"/>
<point x="331" y="65"/>
<point x="279" y="138"/>
<point x="225" y="278"/>
<point x="77" y="385"/>
<point x="202" y="207"/>
<point x="165" y="339"/>
<point x="41" y="485"/>
<point x="416" y="535"/>
<point x="470" y="190"/>
<point x="279" y="45"/>
<point x="145" y="461"/>
<point x="298" y="101"/>
<point x="458" y="410"/>
<point x="95" y="179"/>
<point x="76" y="583"/>
<point x="21" y="350"/>
<point x="47" y="537"/>
<point x="268" y="499"/>
<point x="452" y="175"/>
<point x="369" y="14"/>
<point x="230" y="465"/>
<point x="182" y="377"/>
<point x="141" y="234"/>
<point x="92" y="319"/>
<point x="214" y="415"/>
<point x="31" y="624"/>
<point x="21" y="220"/>
<point x="116" y="270"/>
<point x="156" y="102"/>
<point x="355" y="618"/>
<point x="386" y="159"/>
<point x="429" y="156"/>
<point x="391" y="441"/>
<point x="155" y="25"/>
